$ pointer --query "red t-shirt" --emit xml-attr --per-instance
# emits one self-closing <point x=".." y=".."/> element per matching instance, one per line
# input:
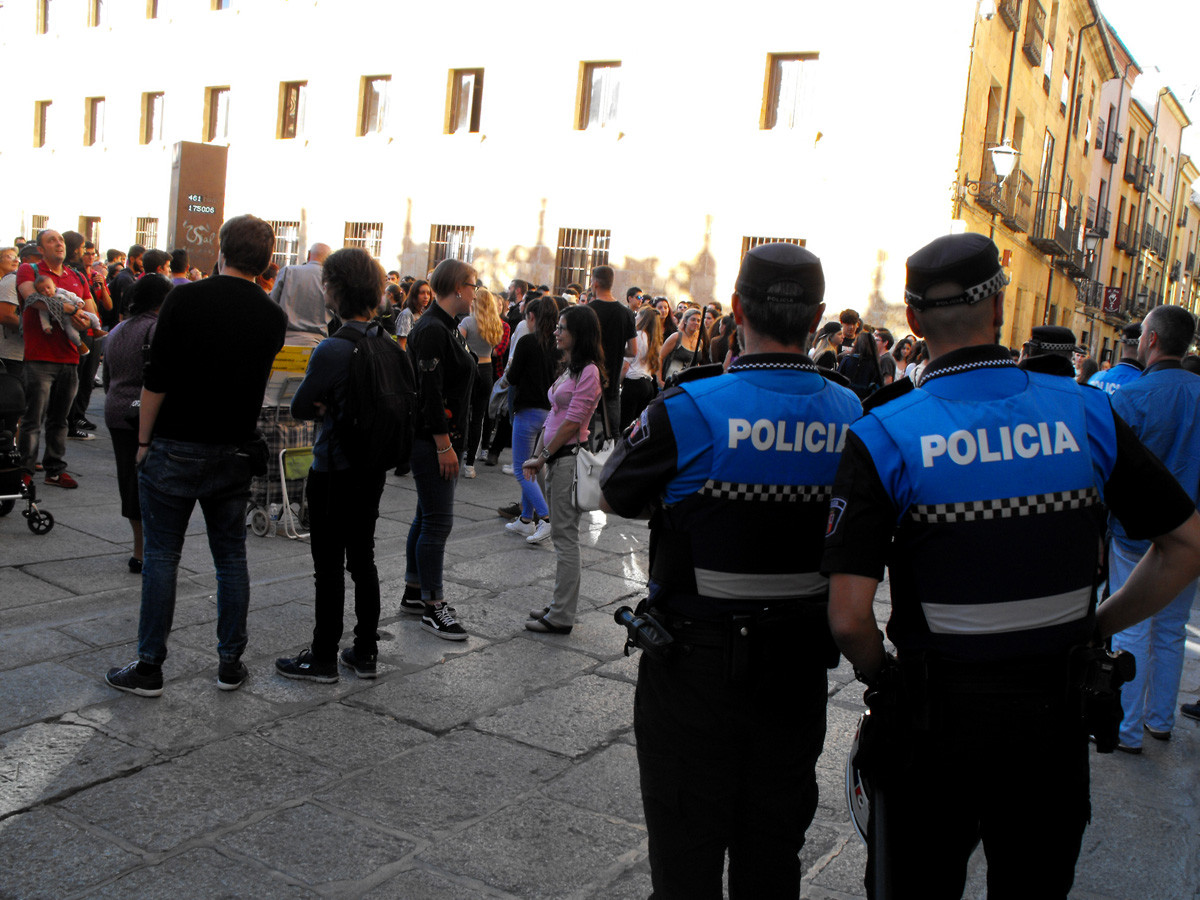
<point x="53" y="347"/>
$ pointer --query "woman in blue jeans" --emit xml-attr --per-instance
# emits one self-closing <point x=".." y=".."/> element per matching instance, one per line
<point x="534" y="363"/>
<point x="343" y="499"/>
<point x="445" y="371"/>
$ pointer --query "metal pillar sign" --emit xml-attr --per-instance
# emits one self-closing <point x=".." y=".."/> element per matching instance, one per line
<point x="197" y="201"/>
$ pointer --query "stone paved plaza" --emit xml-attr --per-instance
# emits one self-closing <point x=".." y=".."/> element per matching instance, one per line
<point x="503" y="766"/>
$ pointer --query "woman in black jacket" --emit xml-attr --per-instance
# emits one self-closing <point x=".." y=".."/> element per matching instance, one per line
<point x="445" y="370"/>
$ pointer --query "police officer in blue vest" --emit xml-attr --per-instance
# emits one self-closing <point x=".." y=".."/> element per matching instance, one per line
<point x="738" y="469"/>
<point x="983" y="491"/>
<point x="1128" y="369"/>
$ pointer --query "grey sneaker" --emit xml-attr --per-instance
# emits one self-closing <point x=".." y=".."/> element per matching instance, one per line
<point x="130" y="680"/>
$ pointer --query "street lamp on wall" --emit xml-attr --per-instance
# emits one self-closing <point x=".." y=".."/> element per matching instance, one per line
<point x="1004" y="160"/>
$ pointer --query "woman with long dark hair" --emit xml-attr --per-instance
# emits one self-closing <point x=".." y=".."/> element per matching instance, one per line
<point x="645" y="372"/>
<point x="666" y="317"/>
<point x="573" y="399"/>
<point x="534" y="363"/>
<point x="343" y="500"/>
<point x="417" y="300"/>
<point x="861" y="367"/>
<point x="445" y="371"/>
<point x="126" y="348"/>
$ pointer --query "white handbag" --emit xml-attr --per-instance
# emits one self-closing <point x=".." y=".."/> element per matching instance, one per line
<point x="589" y="462"/>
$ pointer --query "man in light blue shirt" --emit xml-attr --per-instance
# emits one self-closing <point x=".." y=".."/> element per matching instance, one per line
<point x="1128" y="369"/>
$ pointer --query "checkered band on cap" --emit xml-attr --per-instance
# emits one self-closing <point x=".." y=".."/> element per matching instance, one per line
<point x="1044" y="346"/>
<point x="1004" y="507"/>
<point x="971" y="295"/>
<point x="778" y="493"/>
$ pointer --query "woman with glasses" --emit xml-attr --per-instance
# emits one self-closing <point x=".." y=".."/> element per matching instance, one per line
<point x="573" y="400"/>
<point x="445" y="372"/>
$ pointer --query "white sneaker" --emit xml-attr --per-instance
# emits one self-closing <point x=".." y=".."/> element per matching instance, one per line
<point x="506" y="469"/>
<point x="468" y="471"/>
<point x="540" y="533"/>
<point x="517" y="526"/>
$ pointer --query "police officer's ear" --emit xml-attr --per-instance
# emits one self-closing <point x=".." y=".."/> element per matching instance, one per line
<point x="914" y="323"/>
<point x="816" y="319"/>
<point x="736" y="302"/>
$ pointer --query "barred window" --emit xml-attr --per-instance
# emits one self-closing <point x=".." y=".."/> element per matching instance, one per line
<point x="287" y="243"/>
<point x="450" y="242"/>
<point x="367" y="235"/>
<point x="145" y="232"/>
<point x="579" y="251"/>
<point x="749" y="243"/>
<point x="38" y="224"/>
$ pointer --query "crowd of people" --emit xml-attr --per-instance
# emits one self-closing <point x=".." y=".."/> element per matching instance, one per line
<point x="783" y="463"/>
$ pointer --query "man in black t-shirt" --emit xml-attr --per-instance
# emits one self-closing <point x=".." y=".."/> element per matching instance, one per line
<point x="195" y="442"/>
<point x="617" y="337"/>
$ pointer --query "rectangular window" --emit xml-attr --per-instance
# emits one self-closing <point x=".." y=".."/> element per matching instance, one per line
<point x="216" y="119"/>
<point x="464" y="101"/>
<point x="152" y="121"/>
<point x="151" y="9"/>
<point x="450" y="242"/>
<point x="89" y="227"/>
<point x="96" y="16"/>
<point x="373" y="112"/>
<point x="367" y="235"/>
<point x="287" y="243"/>
<point x="41" y="118"/>
<point x="292" y="97"/>
<point x="93" y="122"/>
<point x="749" y="243"/>
<point x="221" y="4"/>
<point x="43" y="16"/>
<point x="787" y="97"/>
<point x="1035" y="34"/>
<point x="145" y="232"/>
<point x="38" y="224"/>
<point x="599" y="87"/>
<point x="579" y="251"/>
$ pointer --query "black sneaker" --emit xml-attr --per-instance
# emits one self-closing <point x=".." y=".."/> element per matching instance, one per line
<point x="440" y="621"/>
<point x="1191" y="710"/>
<point x="84" y="425"/>
<point x="511" y="511"/>
<point x="411" y="602"/>
<point x="130" y="680"/>
<point x="304" y="668"/>
<point x="78" y="434"/>
<point x="232" y="675"/>
<point x="362" y="666"/>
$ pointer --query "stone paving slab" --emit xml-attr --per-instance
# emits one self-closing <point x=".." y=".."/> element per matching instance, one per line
<point x="28" y="645"/>
<point x="521" y="849"/>
<point x="473" y="685"/>
<point x="46" y="690"/>
<point x="48" y="858"/>
<point x="21" y="547"/>
<point x="45" y="760"/>
<point x="119" y="624"/>
<point x="606" y="782"/>
<point x="211" y="788"/>
<point x="445" y="783"/>
<point x="344" y="737"/>
<point x="21" y="588"/>
<point x="317" y="846"/>
<point x="204" y="873"/>
<point x="569" y="720"/>
<point x="420" y="882"/>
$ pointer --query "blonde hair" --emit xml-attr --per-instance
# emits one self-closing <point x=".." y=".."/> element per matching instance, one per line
<point x="487" y="319"/>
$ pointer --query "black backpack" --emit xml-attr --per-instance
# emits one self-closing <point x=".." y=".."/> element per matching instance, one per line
<point x="375" y="428"/>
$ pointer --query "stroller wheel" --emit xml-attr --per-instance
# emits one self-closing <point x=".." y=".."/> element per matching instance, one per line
<point x="40" y="522"/>
<point x="6" y="506"/>
<point x="259" y="523"/>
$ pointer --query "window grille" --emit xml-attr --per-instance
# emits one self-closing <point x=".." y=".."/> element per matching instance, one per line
<point x="450" y="242"/>
<point x="287" y="243"/>
<point x="145" y="232"/>
<point x="38" y="224"/>
<point x="579" y="251"/>
<point x="749" y="243"/>
<point x="367" y="235"/>
<point x="600" y="85"/>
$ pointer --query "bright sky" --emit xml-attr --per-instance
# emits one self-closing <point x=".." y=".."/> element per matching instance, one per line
<point x="1166" y="34"/>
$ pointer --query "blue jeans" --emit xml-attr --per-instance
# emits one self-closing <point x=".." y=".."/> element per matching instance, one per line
<point x="49" y="391"/>
<point x="1157" y="643"/>
<point x="527" y="425"/>
<point x="172" y="477"/>
<point x="426" y="549"/>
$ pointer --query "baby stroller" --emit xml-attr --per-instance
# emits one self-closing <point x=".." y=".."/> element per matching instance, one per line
<point x="13" y="486"/>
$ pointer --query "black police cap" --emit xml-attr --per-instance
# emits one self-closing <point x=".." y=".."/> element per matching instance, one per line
<point x="781" y="273"/>
<point x="1053" y="337"/>
<point x="969" y="260"/>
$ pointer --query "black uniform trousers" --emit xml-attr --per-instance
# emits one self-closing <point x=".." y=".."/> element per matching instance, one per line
<point x="729" y="767"/>
<point x="1011" y="771"/>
